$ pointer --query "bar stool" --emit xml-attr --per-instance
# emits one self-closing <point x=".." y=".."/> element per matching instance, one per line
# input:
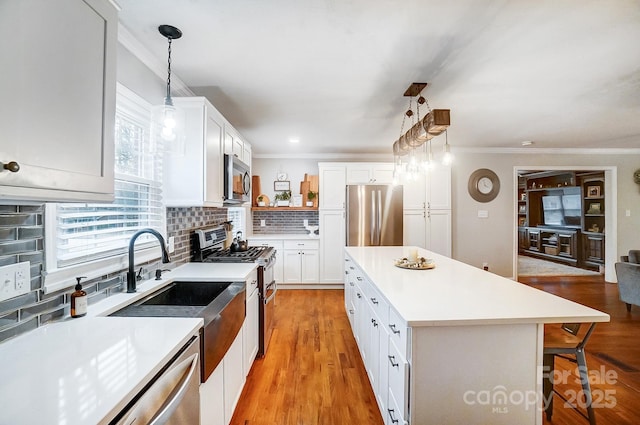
<point x="562" y="345"/>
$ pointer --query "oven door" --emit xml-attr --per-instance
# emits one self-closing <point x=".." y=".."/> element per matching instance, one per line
<point x="237" y="181"/>
<point x="268" y="290"/>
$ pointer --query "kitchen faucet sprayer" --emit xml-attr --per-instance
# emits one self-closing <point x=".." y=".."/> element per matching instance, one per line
<point x="131" y="275"/>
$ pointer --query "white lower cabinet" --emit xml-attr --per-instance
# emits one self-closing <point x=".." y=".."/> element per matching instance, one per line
<point x="233" y="377"/>
<point x="212" y="398"/>
<point x="379" y="332"/>
<point x="301" y="261"/>
<point x="250" y="327"/>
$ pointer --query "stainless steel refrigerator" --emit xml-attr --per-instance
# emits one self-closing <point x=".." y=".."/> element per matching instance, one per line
<point x="374" y="215"/>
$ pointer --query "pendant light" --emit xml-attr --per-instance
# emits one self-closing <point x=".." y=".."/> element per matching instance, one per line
<point x="169" y="120"/>
<point x="447" y="157"/>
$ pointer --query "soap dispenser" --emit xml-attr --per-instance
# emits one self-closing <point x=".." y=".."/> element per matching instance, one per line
<point x="78" y="300"/>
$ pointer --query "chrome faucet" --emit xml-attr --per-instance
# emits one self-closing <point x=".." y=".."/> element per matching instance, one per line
<point x="131" y="275"/>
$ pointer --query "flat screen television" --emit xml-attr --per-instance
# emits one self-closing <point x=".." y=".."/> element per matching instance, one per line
<point x="561" y="210"/>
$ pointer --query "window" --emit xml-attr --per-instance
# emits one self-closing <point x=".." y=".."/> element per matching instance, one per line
<point x="82" y="235"/>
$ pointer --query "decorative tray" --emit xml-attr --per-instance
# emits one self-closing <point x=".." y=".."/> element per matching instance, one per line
<point x="420" y="264"/>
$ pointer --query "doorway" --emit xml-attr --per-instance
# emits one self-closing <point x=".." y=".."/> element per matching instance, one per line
<point x="551" y="241"/>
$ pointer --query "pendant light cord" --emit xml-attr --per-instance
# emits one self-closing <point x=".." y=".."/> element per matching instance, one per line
<point x="168" y="98"/>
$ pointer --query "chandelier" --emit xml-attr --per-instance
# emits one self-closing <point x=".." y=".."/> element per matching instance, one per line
<point x="413" y="151"/>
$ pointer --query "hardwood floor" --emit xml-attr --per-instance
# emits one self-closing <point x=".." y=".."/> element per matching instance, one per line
<point x="613" y="352"/>
<point x="313" y="373"/>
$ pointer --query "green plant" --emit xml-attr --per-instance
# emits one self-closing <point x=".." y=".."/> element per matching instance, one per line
<point x="311" y="195"/>
<point x="283" y="196"/>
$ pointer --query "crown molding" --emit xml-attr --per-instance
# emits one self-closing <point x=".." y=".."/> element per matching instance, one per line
<point x="327" y="156"/>
<point x="132" y="44"/>
<point x="558" y="151"/>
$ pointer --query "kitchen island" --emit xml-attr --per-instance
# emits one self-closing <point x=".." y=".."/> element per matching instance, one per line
<point x="453" y="344"/>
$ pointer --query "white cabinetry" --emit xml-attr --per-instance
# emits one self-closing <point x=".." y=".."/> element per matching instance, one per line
<point x="195" y="178"/>
<point x="301" y="261"/>
<point x="332" y="242"/>
<point x="236" y="146"/>
<point x="427" y="211"/>
<point x="250" y="329"/>
<point x="233" y="377"/>
<point x="366" y="172"/>
<point x="332" y="185"/>
<point x="368" y="312"/>
<point x="212" y="398"/>
<point x="58" y="100"/>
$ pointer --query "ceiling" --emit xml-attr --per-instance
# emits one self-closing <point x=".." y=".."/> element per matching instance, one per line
<point x="332" y="73"/>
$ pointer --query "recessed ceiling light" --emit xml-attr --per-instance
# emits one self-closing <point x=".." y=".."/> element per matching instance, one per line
<point x="527" y="143"/>
<point x="294" y="140"/>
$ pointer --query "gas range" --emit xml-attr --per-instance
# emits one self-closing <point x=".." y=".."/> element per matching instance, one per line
<point x="209" y="249"/>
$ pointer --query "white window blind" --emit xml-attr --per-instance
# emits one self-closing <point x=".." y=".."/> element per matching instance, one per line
<point x="87" y="232"/>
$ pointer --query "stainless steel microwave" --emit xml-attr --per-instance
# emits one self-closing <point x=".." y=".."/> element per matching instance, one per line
<point x="237" y="181"/>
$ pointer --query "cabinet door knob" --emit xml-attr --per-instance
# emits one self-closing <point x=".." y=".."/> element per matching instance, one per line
<point x="392" y="360"/>
<point x="12" y="166"/>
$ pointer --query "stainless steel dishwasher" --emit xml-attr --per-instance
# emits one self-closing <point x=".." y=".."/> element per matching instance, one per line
<point x="172" y="396"/>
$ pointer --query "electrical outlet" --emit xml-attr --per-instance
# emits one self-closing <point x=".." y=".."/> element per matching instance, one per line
<point x="171" y="244"/>
<point x="305" y="222"/>
<point x="263" y="223"/>
<point x="15" y="279"/>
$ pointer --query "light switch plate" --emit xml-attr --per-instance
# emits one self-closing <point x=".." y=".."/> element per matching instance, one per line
<point x="15" y="280"/>
<point x="171" y="244"/>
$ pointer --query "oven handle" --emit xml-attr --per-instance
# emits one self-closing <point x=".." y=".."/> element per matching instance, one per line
<point x="273" y="283"/>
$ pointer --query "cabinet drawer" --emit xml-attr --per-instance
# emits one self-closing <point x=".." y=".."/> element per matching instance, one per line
<point x="276" y="243"/>
<point x="398" y="369"/>
<point x="302" y="244"/>
<point x="393" y="416"/>
<point x="398" y="331"/>
<point x="378" y="304"/>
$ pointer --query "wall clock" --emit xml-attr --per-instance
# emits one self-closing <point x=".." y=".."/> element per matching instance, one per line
<point x="484" y="185"/>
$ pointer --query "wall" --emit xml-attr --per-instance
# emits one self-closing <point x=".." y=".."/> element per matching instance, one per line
<point x="477" y="240"/>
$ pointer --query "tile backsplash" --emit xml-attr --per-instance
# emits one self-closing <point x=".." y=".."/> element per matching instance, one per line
<point x="22" y="239"/>
<point x="283" y="221"/>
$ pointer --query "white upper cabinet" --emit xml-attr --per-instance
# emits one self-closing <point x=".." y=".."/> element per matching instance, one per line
<point x="332" y="185"/>
<point x="58" y="90"/>
<point x="234" y="145"/>
<point x="366" y="172"/>
<point x="195" y="178"/>
<point x="414" y="193"/>
<point x="439" y="188"/>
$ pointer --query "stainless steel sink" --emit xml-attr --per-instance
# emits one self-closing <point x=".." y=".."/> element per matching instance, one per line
<point x="220" y="304"/>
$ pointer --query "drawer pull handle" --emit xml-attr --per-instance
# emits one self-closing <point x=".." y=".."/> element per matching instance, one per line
<point x="392" y="360"/>
<point x="375" y="301"/>
<point x="375" y="324"/>
<point x="350" y="311"/>
<point x="359" y="278"/>
<point x="351" y="283"/>
<point x="12" y="166"/>
<point x="352" y="268"/>
<point x="393" y="328"/>
<point x="393" y="420"/>
<point x="346" y="272"/>
<point x="359" y="296"/>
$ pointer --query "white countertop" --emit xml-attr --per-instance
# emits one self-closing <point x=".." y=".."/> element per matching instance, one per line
<point x="455" y="293"/>
<point x="80" y="371"/>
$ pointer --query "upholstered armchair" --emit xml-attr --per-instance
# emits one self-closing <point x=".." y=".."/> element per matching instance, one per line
<point x="628" y="274"/>
<point x="633" y="257"/>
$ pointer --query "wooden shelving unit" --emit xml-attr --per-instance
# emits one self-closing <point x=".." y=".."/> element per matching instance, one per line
<point x="580" y="239"/>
